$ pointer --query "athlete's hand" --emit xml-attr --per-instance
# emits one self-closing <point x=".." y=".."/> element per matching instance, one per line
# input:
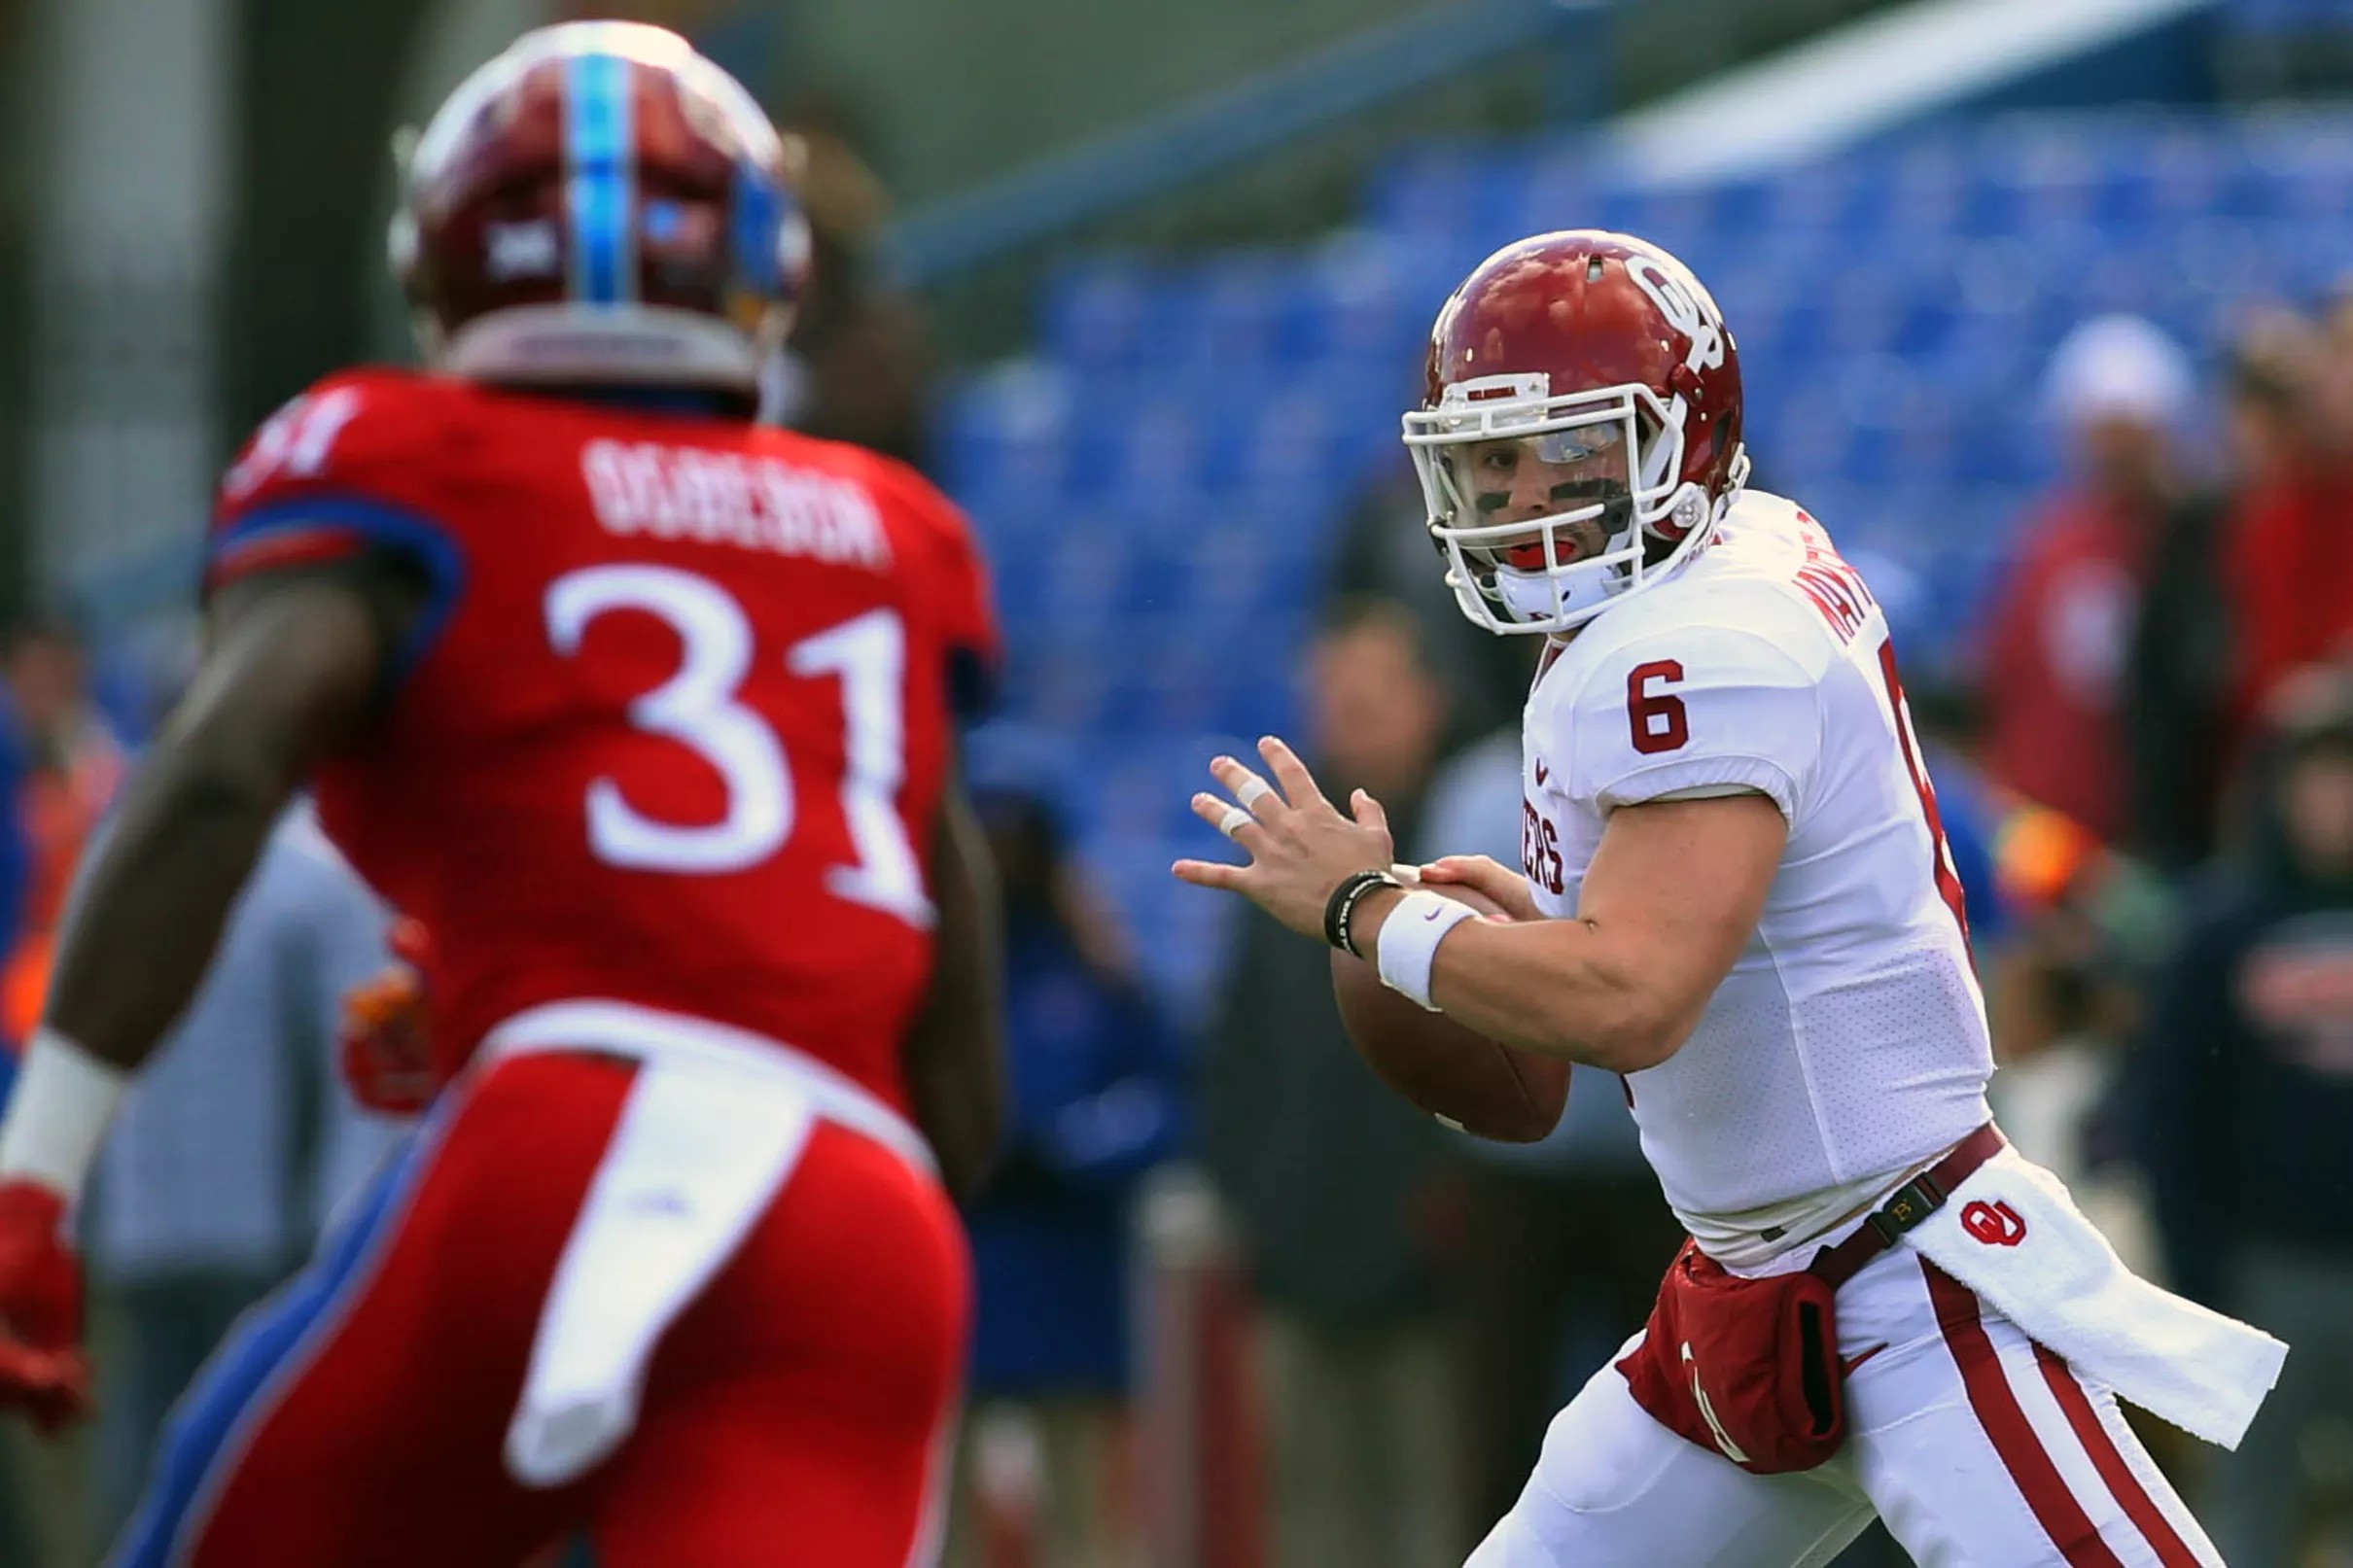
<point x="1484" y="874"/>
<point x="386" y="1043"/>
<point x="43" y="1371"/>
<point x="1301" y="847"/>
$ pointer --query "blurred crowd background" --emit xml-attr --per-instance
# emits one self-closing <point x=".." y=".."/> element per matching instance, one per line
<point x="2047" y="311"/>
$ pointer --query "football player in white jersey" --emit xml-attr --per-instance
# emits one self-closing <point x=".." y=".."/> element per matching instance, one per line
<point x="1736" y="892"/>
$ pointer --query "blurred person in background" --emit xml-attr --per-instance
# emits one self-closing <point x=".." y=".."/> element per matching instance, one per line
<point x="2244" y="1102"/>
<point x="61" y="762"/>
<point x="1342" y="1191"/>
<point x="2120" y="390"/>
<point x="74" y="763"/>
<point x="857" y="366"/>
<point x="1385" y="553"/>
<point x="2029" y="877"/>
<point x="1564" y="1242"/>
<point x="2179" y="678"/>
<point x="231" y="1151"/>
<point x="2050" y="912"/>
<point x="2267" y="385"/>
<point x="15" y="890"/>
<point x="1094" y="1100"/>
<point x="16" y="866"/>
<point x="2291" y="540"/>
<point x="2083" y="927"/>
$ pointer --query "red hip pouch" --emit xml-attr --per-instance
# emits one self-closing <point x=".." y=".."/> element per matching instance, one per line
<point x="1749" y="1367"/>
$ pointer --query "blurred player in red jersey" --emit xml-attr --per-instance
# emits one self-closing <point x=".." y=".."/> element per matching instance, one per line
<point x="645" y="714"/>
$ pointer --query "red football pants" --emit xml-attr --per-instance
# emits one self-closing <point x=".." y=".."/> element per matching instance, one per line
<point x="795" y="1413"/>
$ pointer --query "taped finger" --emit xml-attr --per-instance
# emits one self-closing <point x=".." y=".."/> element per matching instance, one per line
<point x="1222" y="815"/>
<point x="1259" y="799"/>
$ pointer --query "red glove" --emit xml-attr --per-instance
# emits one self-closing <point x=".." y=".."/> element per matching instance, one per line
<point x="43" y="1370"/>
<point x="386" y="1046"/>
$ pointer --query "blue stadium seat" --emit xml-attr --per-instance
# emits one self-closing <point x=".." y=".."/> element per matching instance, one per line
<point x="1228" y="313"/>
<point x="1007" y="429"/>
<point x="1559" y="191"/>
<point x="2279" y="17"/>
<point x="1103" y="313"/>
<point x="1353" y="302"/>
<point x="1137" y="435"/>
<point x="1430" y="191"/>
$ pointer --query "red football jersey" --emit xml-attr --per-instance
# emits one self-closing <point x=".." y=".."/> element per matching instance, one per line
<point x="675" y="728"/>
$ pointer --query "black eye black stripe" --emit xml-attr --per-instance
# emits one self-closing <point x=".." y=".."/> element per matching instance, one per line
<point x="1573" y="489"/>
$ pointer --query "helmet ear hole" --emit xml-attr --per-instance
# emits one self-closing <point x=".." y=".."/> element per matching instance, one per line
<point x="795" y="255"/>
<point x="402" y="146"/>
<point x="401" y="251"/>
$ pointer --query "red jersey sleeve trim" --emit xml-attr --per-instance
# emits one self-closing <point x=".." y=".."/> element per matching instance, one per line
<point x="315" y="529"/>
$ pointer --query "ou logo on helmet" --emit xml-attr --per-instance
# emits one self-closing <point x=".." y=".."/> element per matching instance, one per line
<point x="1689" y="313"/>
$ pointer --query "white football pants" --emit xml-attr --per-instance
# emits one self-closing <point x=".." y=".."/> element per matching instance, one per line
<point x="1977" y="1446"/>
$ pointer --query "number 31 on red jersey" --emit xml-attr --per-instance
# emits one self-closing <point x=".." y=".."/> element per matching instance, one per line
<point x="700" y="708"/>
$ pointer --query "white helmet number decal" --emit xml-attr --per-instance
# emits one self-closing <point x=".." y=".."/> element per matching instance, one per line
<point x="1694" y="314"/>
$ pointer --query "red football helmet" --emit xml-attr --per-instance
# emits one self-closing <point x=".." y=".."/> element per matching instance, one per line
<point x="1579" y="433"/>
<point x="601" y="204"/>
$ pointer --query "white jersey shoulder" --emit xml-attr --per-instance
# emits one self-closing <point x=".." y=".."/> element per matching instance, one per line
<point x="1710" y="682"/>
<point x="1849" y="1040"/>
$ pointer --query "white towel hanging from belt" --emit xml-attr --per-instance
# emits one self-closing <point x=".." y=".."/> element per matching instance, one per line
<point x="694" y="1164"/>
<point x="2011" y="1233"/>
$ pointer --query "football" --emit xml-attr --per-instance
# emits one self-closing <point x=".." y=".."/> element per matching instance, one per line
<point x="1459" y="1076"/>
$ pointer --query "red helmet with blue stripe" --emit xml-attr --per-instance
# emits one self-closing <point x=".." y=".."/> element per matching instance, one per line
<point x="601" y="204"/>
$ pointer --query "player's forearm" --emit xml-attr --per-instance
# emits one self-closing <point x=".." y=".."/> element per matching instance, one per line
<point x="1557" y="987"/>
<point x="294" y="664"/>
<point x="164" y="879"/>
<point x="954" y="1055"/>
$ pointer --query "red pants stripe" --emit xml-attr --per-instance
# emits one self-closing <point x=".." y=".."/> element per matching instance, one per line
<point x="2023" y="1452"/>
<point x="2109" y="1460"/>
<point x="792" y="1413"/>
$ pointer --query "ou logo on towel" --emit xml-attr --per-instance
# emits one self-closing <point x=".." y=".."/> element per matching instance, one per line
<point x="1997" y="1225"/>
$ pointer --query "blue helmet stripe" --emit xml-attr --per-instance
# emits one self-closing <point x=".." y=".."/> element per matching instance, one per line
<point x="601" y="150"/>
<point x="759" y="216"/>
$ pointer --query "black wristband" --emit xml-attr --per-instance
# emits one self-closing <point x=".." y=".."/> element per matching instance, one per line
<point x="1341" y="907"/>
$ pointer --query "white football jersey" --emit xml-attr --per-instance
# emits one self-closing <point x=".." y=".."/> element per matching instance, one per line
<point x="1848" y="1044"/>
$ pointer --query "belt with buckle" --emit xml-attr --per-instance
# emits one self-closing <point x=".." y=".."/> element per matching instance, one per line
<point x="1907" y="1207"/>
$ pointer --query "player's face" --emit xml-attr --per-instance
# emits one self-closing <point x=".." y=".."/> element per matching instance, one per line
<point x="1525" y="480"/>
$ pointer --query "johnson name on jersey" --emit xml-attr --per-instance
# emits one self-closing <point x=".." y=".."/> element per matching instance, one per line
<point x="1848" y="1043"/>
<point x="674" y="727"/>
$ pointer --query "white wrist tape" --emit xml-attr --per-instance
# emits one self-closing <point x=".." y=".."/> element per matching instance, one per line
<point x="1409" y="941"/>
<point x="58" y="1117"/>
